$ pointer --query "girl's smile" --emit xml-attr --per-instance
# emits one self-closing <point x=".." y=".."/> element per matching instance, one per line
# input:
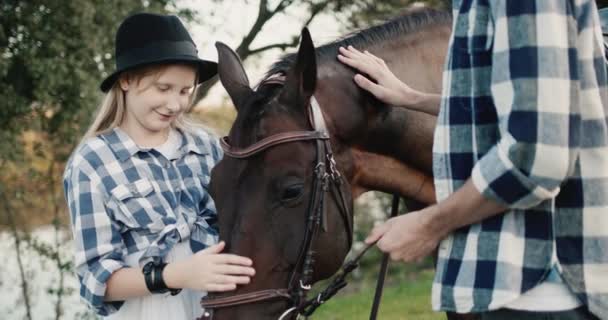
<point x="155" y="102"/>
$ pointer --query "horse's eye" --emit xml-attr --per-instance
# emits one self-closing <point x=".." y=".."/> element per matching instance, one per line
<point x="292" y="192"/>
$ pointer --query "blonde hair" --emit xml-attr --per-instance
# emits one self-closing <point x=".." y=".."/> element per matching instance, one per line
<point x="111" y="111"/>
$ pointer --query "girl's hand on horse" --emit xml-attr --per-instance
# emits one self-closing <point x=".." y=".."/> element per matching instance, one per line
<point x="387" y="87"/>
<point x="209" y="270"/>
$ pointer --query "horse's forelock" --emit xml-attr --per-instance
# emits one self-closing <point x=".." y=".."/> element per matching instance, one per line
<point x="248" y="120"/>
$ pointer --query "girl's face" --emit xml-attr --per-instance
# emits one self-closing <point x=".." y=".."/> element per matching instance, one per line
<point x="155" y="101"/>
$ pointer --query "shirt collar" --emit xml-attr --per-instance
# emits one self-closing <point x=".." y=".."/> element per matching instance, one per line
<point x="121" y="144"/>
<point x="194" y="143"/>
<point x="124" y="147"/>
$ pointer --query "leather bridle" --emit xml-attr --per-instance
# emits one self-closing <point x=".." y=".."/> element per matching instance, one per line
<point x="326" y="179"/>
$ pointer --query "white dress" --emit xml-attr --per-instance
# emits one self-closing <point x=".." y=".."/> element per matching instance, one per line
<point x="185" y="305"/>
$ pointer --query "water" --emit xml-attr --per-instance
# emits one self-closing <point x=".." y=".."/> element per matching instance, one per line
<point x="43" y="276"/>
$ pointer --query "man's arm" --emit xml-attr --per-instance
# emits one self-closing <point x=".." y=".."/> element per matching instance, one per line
<point x="533" y="88"/>
<point x="415" y="235"/>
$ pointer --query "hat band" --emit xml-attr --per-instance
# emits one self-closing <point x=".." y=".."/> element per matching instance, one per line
<point x="155" y="51"/>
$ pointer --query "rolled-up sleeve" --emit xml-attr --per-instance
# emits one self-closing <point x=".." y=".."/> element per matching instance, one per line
<point x="534" y="88"/>
<point x="98" y="244"/>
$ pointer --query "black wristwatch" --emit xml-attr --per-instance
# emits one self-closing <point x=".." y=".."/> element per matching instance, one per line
<point x="153" y="274"/>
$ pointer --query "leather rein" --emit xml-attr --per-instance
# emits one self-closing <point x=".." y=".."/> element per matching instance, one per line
<point x="326" y="179"/>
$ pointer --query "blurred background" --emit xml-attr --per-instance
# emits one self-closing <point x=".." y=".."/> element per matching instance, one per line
<point x="53" y="55"/>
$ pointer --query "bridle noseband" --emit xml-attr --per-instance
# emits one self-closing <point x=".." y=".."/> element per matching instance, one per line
<point x="326" y="179"/>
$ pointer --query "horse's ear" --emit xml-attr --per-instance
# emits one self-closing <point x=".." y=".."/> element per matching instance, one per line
<point x="232" y="75"/>
<point x="302" y="77"/>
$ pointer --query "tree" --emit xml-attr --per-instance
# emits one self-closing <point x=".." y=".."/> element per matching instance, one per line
<point x="52" y="56"/>
<point x="352" y="14"/>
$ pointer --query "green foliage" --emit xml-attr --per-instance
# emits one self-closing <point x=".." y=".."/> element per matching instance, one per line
<point x="53" y="56"/>
<point x="404" y="300"/>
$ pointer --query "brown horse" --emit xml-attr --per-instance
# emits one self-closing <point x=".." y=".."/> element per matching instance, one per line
<point x="270" y="184"/>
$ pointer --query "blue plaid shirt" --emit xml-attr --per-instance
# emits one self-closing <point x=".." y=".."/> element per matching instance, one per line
<point x="124" y="200"/>
<point x="524" y="113"/>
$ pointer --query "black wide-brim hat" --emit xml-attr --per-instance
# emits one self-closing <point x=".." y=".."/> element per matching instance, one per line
<point x="144" y="39"/>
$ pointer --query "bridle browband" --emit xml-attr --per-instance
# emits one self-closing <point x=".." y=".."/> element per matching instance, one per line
<point x="326" y="179"/>
<point x="268" y="142"/>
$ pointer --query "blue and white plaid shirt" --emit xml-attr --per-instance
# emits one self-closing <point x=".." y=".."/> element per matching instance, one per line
<point x="124" y="200"/>
<point x="524" y="113"/>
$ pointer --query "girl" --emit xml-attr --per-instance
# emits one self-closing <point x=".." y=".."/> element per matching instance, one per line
<point x="143" y="222"/>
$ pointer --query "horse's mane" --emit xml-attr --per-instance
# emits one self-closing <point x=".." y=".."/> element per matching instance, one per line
<point x="410" y="22"/>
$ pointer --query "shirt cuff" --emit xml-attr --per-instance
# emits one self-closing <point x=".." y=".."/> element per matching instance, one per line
<point x="496" y="178"/>
<point x="94" y="285"/>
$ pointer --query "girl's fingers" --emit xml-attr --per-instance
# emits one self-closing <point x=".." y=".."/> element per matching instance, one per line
<point x="214" y="249"/>
<point x="355" y="55"/>
<point x="355" y="63"/>
<point x="224" y="279"/>
<point x="348" y="54"/>
<point x="236" y="270"/>
<point x="227" y="258"/>
<point x="366" y="67"/>
<point x="375" y="58"/>
<point x="371" y="59"/>
<point x="365" y="61"/>
<point x="354" y="50"/>
<point x="220" y="287"/>
<point x="350" y="51"/>
<point x="368" y="85"/>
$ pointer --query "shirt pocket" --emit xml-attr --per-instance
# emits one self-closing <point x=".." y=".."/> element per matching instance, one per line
<point x="135" y="206"/>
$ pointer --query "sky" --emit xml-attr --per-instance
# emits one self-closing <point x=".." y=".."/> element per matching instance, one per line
<point x="233" y="19"/>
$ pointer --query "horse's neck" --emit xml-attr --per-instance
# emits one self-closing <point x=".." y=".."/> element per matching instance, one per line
<point x="404" y="135"/>
<point x="395" y="155"/>
<point x="418" y="61"/>
<point x="391" y="150"/>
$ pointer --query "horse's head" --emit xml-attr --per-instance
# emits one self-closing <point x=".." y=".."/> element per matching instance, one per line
<point x="278" y="200"/>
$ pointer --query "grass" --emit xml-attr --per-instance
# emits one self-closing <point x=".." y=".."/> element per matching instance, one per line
<point x="404" y="301"/>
